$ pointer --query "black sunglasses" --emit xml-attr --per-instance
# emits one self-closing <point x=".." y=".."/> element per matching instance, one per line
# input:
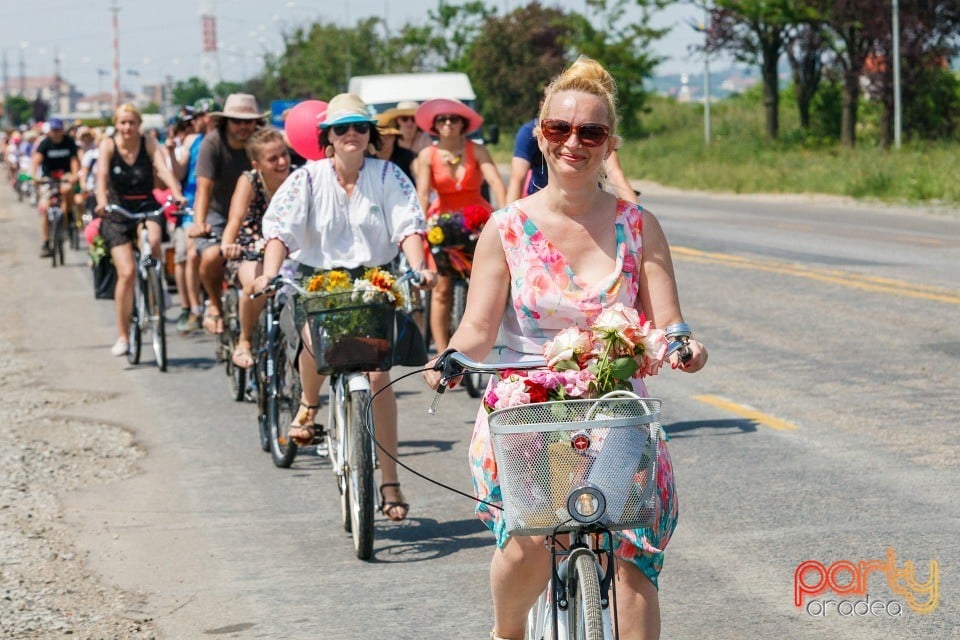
<point x="242" y="120"/>
<point x="590" y="134"/>
<point x="359" y="127"/>
<point x="452" y="119"/>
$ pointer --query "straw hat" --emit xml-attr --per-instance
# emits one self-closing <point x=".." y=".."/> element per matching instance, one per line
<point x="240" y="106"/>
<point x="430" y="109"/>
<point x="403" y="108"/>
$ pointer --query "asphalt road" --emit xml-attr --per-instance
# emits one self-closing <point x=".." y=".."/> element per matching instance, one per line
<point x="823" y="429"/>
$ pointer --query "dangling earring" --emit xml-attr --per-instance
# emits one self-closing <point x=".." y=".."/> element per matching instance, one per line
<point x="371" y="150"/>
<point x="328" y="151"/>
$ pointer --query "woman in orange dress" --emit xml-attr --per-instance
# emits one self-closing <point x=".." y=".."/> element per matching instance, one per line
<point x="454" y="168"/>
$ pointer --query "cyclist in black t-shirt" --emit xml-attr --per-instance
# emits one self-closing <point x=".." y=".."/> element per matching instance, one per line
<point x="55" y="157"/>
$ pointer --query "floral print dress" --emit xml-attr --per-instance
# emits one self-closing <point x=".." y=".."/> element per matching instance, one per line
<point x="546" y="296"/>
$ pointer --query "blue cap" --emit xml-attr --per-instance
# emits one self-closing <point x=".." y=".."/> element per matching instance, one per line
<point x="55" y="123"/>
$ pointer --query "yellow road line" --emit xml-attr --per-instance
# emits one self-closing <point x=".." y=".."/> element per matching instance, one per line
<point x="857" y="281"/>
<point x="747" y="412"/>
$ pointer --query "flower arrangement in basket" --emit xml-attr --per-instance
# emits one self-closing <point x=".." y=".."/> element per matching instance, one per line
<point x="453" y="236"/>
<point x="351" y="319"/>
<point x="582" y="364"/>
<point x="586" y="363"/>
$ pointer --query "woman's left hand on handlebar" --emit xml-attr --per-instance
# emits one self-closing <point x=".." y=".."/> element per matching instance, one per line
<point x="696" y="361"/>
<point x="230" y="251"/>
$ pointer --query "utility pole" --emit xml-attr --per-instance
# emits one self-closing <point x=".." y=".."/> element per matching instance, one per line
<point x="115" y="9"/>
<point x="56" y="80"/>
<point x="6" y="92"/>
<point x="23" y="75"/>
<point x="897" y="116"/>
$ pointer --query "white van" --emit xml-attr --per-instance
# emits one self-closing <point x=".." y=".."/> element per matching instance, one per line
<point x="382" y="92"/>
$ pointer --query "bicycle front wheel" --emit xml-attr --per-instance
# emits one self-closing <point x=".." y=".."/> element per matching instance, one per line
<point x="56" y="240"/>
<point x="283" y="400"/>
<point x="156" y="314"/>
<point x="584" y="615"/>
<point x="360" y="472"/>
<point x="133" y="353"/>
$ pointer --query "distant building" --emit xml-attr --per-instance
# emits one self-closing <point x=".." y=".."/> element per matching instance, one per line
<point x="60" y="95"/>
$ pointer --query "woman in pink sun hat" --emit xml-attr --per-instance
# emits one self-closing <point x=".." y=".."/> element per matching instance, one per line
<point x="455" y="169"/>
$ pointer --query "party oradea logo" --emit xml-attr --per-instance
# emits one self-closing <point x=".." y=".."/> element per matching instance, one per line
<point x="814" y="583"/>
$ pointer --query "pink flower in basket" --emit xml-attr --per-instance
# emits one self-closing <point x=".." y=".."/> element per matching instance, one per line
<point x="586" y="363"/>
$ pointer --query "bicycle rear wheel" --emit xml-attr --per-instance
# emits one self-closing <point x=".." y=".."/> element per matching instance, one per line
<point x="584" y="614"/>
<point x="360" y="472"/>
<point x="156" y="317"/>
<point x="133" y="353"/>
<point x="283" y="400"/>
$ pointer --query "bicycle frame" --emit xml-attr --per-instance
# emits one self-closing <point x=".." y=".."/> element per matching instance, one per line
<point x="581" y="583"/>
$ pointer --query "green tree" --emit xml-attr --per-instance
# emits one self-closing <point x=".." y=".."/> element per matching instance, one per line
<point x="533" y="43"/>
<point x="757" y="32"/>
<point x="18" y="109"/>
<point x="318" y="60"/>
<point x="455" y="29"/>
<point x="190" y="90"/>
<point x="223" y="89"/>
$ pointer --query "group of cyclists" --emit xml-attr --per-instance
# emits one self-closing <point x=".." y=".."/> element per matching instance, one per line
<point x="251" y="207"/>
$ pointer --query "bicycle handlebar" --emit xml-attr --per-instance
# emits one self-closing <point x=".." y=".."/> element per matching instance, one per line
<point x="453" y="363"/>
<point x="274" y="285"/>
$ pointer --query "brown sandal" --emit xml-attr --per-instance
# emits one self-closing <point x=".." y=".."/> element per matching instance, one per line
<point x="387" y="506"/>
<point x="303" y="428"/>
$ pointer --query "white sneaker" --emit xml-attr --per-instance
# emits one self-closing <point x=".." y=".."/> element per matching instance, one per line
<point x="120" y="347"/>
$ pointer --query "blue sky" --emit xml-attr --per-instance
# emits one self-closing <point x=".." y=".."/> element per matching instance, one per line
<point x="163" y="38"/>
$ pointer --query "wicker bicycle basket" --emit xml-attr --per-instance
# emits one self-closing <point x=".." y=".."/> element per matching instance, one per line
<point x="544" y="450"/>
<point x="350" y="333"/>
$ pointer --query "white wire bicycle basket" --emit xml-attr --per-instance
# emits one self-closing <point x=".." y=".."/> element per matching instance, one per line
<point x="545" y="451"/>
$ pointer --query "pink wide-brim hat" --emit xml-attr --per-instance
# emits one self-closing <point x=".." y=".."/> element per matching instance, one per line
<point x="441" y="106"/>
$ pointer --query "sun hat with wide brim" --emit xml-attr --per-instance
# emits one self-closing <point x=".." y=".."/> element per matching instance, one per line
<point x="403" y="108"/>
<point x="240" y="106"/>
<point x="430" y="109"/>
<point x="346" y="108"/>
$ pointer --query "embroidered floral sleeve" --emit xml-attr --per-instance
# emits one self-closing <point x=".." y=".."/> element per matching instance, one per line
<point x="286" y="217"/>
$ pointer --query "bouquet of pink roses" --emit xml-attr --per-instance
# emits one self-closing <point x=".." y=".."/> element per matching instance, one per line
<point x="586" y="363"/>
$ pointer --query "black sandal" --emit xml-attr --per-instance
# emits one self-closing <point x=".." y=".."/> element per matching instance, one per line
<point x="387" y="506"/>
<point x="309" y="430"/>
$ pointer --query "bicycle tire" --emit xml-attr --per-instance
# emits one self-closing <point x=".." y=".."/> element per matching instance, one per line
<point x="133" y="353"/>
<point x="231" y="334"/>
<point x="260" y="372"/>
<point x="158" y="330"/>
<point x="283" y="400"/>
<point x="584" y="613"/>
<point x="360" y="473"/>
<point x="56" y="242"/>
<point x="335" y="436"/>
<point x="74" y="232"/>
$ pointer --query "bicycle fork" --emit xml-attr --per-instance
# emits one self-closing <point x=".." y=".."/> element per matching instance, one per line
<point x="561" y="585"/>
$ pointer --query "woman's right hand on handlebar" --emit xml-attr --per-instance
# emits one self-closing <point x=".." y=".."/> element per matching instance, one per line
<point x="432" y="376"/>
<point x="198" y="230"/>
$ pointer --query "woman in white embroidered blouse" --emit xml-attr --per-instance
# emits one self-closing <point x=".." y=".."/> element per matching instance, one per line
<point x="344" y="212"/>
